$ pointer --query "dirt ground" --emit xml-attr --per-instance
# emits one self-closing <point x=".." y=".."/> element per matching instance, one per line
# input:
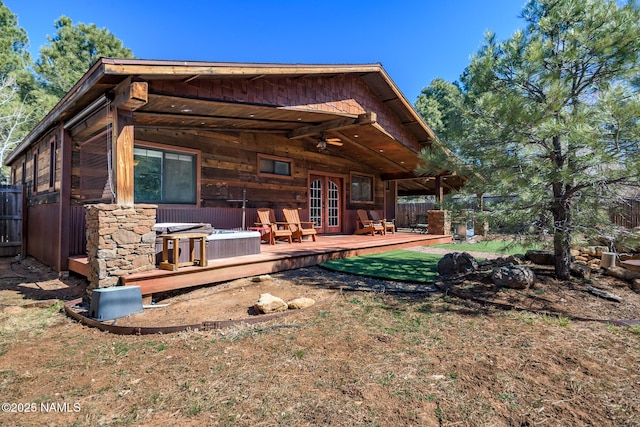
<point x="370" y="352"/>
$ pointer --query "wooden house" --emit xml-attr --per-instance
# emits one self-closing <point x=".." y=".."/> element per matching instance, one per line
<point x="213" y="142"/>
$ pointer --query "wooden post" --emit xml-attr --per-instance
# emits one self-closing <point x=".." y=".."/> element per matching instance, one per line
<point x="122" y="155"/>
<point x="439" y="191"/>
<point x="128" y="97"/>
<point x="64" y="221"/>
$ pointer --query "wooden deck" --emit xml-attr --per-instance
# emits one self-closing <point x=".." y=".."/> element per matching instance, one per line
<point x="273" y="258"/>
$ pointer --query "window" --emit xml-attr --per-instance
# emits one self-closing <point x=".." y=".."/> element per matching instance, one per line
<point x="274" y="165"/>
<point x="35" y="173"/>
<point x="52" y="164"/>
<point x="162" y="176"/>
<point x="361" y="188"/>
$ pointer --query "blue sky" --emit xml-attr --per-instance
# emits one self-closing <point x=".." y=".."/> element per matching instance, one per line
<point x="416" y="41"/>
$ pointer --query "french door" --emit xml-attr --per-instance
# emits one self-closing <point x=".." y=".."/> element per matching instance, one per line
<point x="325" y="203"/>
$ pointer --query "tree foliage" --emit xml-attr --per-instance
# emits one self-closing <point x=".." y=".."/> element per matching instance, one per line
<point x="440" y="103"/>
<point x="551" y="115"/>
<point x="16" y="83"/>
<point x="28" y="91"/>
<point x="72" y="51"/>
<point x="14" y="117"/>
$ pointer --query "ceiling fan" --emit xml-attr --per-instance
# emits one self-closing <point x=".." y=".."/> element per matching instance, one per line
<point x="324" y="141"/>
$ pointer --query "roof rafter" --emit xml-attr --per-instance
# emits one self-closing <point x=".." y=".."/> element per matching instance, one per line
<point x="334" y="125"/>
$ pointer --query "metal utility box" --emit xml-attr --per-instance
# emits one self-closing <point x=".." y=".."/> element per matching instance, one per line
<point x="114" y="302"/>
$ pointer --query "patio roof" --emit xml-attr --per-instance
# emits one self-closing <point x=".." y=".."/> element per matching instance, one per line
<point x="392" y="156"/>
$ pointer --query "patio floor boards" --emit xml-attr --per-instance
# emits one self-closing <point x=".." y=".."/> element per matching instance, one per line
<point x="273" y="258"/>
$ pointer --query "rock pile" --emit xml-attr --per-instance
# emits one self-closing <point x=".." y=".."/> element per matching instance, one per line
<point x="513" y="271"/>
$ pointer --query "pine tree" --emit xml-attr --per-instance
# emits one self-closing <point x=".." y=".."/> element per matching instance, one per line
<point x="551" y="115"/>
<point x="72" y="51"/>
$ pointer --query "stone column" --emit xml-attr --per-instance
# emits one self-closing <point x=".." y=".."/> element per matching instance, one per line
<point x="481" y="227"/>
<point x="120" y="241"/>
<point x="439" y="222"/>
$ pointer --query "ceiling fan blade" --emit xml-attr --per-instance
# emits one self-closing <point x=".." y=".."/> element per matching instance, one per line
<point x="337" y="142"/>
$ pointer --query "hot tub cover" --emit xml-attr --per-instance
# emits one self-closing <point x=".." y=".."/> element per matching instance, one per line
<point x="162" y="228"/>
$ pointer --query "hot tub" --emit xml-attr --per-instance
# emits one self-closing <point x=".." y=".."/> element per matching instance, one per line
<point x="220" y="243"/>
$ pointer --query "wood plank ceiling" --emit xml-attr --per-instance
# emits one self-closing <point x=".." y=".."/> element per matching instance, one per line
<point x="362" y="137"/>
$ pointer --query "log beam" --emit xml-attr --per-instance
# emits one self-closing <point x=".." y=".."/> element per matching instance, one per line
<point x="130" y="95"/>
<point x="334" y="125"/>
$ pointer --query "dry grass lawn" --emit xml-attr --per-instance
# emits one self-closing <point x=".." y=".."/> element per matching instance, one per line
<point x="363" y="358"/>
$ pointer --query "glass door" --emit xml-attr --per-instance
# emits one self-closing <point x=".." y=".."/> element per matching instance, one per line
<point x="325" y="209"/>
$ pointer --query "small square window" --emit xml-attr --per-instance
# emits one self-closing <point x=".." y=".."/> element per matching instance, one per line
<point x="361" y="188"/>
<point x="274" y="166"/>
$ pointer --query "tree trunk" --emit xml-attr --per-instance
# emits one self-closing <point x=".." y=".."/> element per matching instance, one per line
<point x="562" y="219"/>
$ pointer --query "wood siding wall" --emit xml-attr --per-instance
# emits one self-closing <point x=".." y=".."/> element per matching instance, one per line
<point x="43" y="234"/>
<point x="45" y="157"/>
<point x="39" y="171"/>
<point x="229" y="169"/>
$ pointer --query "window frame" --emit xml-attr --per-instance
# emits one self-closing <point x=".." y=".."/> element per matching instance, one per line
<point x="274" y="159"/>
<point x="177" y="150"/>
<point x="373" y="187"/>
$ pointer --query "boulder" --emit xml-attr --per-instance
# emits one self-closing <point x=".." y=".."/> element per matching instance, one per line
<point x="517" y="259"/>
<point x="513" y="276"/>
<point x="540" y="257"/>
<point x="455" y="263"/>
<point x="635" y="285"/>
<point x="268" y="303"/>
<point x="302" y="302"/>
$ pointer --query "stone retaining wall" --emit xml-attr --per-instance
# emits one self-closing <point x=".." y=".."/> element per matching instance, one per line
<point x="120" y="241"/>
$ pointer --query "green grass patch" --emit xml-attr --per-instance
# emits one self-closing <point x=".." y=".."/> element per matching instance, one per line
<point x="401" y="265"/>
<point x="504" y="247"/>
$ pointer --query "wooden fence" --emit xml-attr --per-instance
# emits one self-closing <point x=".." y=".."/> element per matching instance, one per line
<point x="10" y="220"/>
<point x="625" y="214"/>
<point x="410" y="213"/>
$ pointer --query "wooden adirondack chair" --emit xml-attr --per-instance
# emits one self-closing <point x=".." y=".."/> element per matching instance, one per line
<point x="299" y="229"/>
<point x="364" y="225"/>
<point x="389" y="224"/>
<point x="276" y="230"/>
